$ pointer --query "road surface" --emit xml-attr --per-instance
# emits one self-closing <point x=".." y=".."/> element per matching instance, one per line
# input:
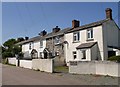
<point x="12" y="75"/>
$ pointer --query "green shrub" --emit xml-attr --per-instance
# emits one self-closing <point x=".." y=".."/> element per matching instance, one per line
<point x="5" y="61"/>
<point x="114" y="58"/>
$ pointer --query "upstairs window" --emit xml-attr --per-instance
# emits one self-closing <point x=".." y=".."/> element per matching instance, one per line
<point x="30" y="45"/>
<point x="90" y="34"/>
<point x="57" y="40"/>
<point x="76" y="36"/>
<point x="41" y="44"/>
<point x="74" y="54"/>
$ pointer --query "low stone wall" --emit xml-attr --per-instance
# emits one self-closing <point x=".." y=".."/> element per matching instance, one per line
<point x="43" y="65"/>
<point x="95" y="67"/>
<point x="26" y="64"/>
<point x="12" y="60"/>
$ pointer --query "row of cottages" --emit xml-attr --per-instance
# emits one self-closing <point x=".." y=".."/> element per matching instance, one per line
<point x="95" y="41"/>
<point x="46" y="46"/>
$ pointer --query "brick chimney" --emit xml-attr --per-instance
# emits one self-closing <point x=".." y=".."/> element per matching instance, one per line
<point x="43" y="33"/>
<point x="108" y="13"/>
<point x="56" y="29"/>
<point x="26" y="38"/>
<point x="75" y="23"/>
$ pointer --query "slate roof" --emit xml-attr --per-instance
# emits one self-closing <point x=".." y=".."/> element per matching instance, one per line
<point x="88" y="25"/>
<point x="49" y="35"/>
<point x="66" y="30"/>
<point x="86" y="45"/>
<point x="61" y="32"/>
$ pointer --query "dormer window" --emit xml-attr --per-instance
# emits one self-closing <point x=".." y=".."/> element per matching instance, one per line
<point x="90" y="34"/>
<point x="76" y="37"/>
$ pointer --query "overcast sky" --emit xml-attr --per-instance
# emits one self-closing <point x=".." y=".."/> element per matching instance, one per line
<point x="22" y="19"/>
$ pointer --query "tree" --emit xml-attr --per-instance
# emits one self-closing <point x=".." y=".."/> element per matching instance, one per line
<point x="10" y="49"/>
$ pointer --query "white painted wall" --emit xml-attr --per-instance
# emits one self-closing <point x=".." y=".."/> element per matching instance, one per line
<point x="25" y="47"/>
<point x="26" y="64"/>
<point x="98" y="37"/>
<point x="43" y="65"/>
<point x="12" y="60"/>
<point x="96" y="67"/>
<point x="35" y="45"/>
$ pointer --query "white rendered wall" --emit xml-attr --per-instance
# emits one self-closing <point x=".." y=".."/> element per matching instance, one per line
<point x="26" y="64"/>
<point x="70" y="47"/>
<point x="43" y="65"/>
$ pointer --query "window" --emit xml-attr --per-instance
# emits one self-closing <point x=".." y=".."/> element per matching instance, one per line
<point x="84" y="54"/>
<point x="30" y="46"/>
<point x="74" y="54"/>
<point x="76" y="36"/>
<point x="90" y="34"/>
<point x="41" y="43"/>
<point x="57" y="40"/>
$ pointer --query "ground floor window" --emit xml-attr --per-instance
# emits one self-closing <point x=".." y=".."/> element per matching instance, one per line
<point x="111" y="53"/>
<point x="74" y="54"/>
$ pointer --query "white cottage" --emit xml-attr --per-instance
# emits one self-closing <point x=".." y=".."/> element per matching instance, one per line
<point x="34" y="47"/>
<point x="95" y="41"/>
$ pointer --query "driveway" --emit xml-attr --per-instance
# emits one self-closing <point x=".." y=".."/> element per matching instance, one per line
<point x="12" y="75"/>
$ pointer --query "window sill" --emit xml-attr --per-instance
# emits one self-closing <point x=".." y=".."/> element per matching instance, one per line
<point x="57" y="44"/>
<point x="90" y="39"/>
<point x="76" y="41"/>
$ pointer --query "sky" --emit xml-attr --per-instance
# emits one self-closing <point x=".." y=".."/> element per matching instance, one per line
<point x="20" y="19"/>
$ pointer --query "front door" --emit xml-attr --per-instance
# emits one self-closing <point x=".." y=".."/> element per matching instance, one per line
<point x="45" y="55"/>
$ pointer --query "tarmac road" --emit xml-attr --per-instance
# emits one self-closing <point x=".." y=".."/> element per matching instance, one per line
<point x="12" y="75"/>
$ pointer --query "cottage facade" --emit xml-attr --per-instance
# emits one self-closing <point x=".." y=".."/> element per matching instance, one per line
<point x="95" y="41"/>
<point x="46" y="46"/>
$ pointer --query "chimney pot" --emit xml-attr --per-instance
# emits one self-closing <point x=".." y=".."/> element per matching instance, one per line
<point x="43" y="33"/>
<point x="108" y="13"/>
<point x="75" y="23"/>
<point x="56" y="29"/>
<point x="26" y="38"/>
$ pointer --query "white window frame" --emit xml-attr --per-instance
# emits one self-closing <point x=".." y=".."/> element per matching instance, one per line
<point x="84" y="58"/>
<point x="74" y="54"/>
<point x="41" y="43"/>
<point x="89" y="34"/>
<point x="57" y="40"/>
<point x="30" y="45"/>
<point x="76" y="36"/>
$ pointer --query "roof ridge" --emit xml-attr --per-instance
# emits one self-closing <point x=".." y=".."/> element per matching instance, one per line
<point x="88" y="25"/>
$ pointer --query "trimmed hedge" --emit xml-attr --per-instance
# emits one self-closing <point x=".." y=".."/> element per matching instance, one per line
<point x="114" y="58"/>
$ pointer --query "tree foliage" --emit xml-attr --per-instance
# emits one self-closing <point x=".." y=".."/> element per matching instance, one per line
<point x="10" y="49"/>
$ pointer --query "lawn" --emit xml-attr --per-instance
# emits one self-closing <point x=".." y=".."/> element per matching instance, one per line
<point x="61" y="69"/>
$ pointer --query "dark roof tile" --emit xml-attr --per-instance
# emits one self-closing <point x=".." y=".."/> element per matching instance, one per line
<point x="86" y="45"/>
